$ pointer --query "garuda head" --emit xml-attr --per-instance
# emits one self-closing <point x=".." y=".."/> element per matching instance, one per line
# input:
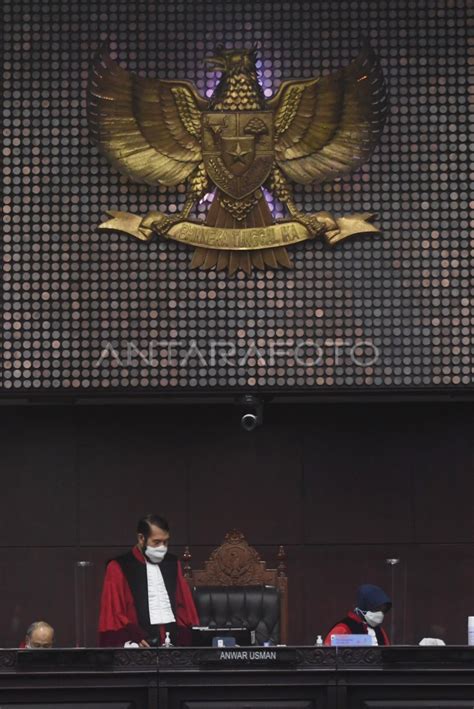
<point x="232" y="60"/>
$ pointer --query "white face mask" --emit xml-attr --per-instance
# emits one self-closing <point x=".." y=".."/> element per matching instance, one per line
<point x="374" y="618"/>
<point x="156" y="554"/>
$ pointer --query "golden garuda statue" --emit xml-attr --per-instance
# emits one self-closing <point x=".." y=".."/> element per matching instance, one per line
<point x="234" y="144"/>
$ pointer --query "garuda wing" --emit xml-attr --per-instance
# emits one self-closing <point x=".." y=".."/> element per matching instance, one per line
<point x="329" y="126"/>
<point x="148" y="128"/>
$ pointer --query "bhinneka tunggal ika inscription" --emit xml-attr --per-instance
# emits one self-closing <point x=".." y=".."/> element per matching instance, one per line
<point x="235" y="144"/>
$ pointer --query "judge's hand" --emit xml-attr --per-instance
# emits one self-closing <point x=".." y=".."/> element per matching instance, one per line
<point x="143" y="643"/>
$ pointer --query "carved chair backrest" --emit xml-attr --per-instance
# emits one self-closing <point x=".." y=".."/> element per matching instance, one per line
<point x="236" y="563"/>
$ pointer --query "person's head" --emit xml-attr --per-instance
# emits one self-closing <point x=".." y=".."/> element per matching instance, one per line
<point x="40" y="635"/>
<point x="372" y="604"/>
<point x="153" y="534"/>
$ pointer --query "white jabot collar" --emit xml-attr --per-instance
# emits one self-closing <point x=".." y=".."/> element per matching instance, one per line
<point x="158" y="599"/>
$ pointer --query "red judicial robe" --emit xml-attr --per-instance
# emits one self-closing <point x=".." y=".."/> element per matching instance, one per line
<point x="342" y="628"/>
<point x="119" y="616"/>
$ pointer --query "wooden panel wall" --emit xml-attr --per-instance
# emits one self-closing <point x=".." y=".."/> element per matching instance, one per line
<point x="343" y="486"/>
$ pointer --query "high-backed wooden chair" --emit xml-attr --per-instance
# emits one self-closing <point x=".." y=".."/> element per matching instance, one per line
<point x="235" y="588"/>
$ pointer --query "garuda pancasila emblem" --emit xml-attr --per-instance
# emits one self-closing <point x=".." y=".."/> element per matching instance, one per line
<point x="235" y="144"/>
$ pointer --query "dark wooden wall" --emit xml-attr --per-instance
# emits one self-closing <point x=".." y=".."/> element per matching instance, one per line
<point x="342" y="486"/>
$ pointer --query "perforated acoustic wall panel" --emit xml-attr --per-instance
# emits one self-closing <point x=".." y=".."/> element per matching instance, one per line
<point x="84" y="310"/>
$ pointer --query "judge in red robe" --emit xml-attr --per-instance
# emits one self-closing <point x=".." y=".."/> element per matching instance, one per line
<point x="145" y="594"/>
<point x="373" y="604"/>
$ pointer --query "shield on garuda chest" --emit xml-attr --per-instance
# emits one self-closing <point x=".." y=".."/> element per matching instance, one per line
<point x="238" y="149"/>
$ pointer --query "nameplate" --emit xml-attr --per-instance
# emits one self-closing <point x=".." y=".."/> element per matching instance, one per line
<point x="61" y="659"/>
<point x="245" y="656"/>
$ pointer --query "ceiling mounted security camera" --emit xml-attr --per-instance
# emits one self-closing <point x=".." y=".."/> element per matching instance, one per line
<point x="252" y="412"/>
<point x="249" y="422"/>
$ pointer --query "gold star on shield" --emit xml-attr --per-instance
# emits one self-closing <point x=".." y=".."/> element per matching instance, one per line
<point x="239" y="154"/>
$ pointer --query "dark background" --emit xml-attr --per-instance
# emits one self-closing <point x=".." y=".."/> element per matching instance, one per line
<point x="70" y="291"/>
<point x="342" y="486"/>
